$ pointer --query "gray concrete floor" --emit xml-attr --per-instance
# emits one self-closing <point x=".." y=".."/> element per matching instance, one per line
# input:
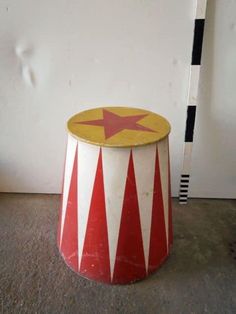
<point x="199" y="276"/>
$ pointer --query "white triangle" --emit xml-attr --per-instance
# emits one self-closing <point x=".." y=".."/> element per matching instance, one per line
<point x="115" y="165"/>
<point x="70" y="156"/>
<point x="163" y="165"/>
<point x="144" y="168"/>
<point x="87" y="167"/>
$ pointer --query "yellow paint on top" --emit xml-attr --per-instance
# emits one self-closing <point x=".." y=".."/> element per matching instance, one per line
<point x="125" y="138"/>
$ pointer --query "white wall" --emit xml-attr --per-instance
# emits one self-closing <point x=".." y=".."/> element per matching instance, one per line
<point x="58" y="57"/>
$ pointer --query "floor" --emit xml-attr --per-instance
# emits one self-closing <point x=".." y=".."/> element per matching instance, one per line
<point x="199" y="277"/>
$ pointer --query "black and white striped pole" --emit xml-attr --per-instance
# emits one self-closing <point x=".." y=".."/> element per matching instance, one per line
<point x="192" y="98"/>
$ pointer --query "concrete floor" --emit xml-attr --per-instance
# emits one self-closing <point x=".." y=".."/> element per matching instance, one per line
<point x="199" y="277"/>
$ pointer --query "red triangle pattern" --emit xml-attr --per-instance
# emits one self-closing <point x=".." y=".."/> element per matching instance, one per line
<point x="61" y="202"/>
<point x="69" y="244"/>
<point x="59" y="222"/>
<point x="130" y="262"/>
<point x="158" y="242"/>
<point x="170" y="203"/>
<point x="95" y="263"/>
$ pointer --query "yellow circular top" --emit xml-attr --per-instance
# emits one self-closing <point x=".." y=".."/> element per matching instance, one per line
<point x="118" y="126"/>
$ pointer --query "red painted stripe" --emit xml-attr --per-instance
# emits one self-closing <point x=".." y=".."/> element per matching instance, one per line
<point x="170" y="202"/>
<point x="59" y="222"/>
<point x="130" y="263"/>
<point x="158" y="243"/>
<point x="95" y="263"/>
<point x="69" y="245"/>
<point x="61" y="202"/>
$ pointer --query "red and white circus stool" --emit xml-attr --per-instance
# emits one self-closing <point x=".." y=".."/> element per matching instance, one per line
<point x="116" y="221"/>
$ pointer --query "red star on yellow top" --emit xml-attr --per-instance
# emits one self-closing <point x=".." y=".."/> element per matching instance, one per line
<point x="118" y="126"/>
<point x="114" y="123"/>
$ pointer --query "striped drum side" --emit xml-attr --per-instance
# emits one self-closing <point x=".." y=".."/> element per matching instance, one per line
<point x="115" y="222"/>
